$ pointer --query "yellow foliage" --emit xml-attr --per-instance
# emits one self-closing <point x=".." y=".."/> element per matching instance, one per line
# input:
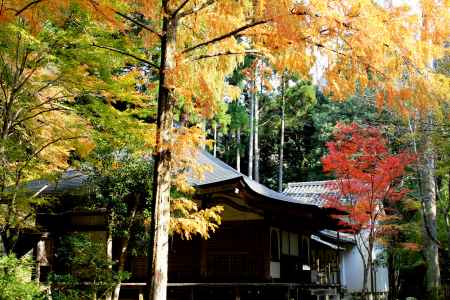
<point x="360" y="43"/>
<point x="187" y="220"/>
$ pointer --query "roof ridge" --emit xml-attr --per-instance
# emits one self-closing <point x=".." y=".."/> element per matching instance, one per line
<point x="308" y="183"/>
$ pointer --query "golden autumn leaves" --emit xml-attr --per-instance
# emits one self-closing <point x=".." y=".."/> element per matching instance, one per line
<point x="359" y="44"/>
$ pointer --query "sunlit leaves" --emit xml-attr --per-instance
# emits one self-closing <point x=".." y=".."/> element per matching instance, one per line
<point x="368" y="175"/>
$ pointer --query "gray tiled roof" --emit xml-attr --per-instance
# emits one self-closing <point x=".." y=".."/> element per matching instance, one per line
<point x="344" y="237"/>
<point x="74" y="180"/>
<point x="315" y="192"/>
<point x="220" y="171"/>
<point x="312" y="192"/>
<point x="217" y="170"/>
<point x="71" y="180"/>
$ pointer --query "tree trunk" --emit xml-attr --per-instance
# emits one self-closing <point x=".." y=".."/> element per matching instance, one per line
<point x="215" y="139"/>
<point x="360" y="246"/>
<point x="256" y="138"/>
<point x="447" y="220"/>
<point x="370" y="267"/>
<point x="428" y="193"/>
<point x="109" y="256"/>
<point x="238" y="149"/>
<point x="280" y="166"/>
<point x="252" y="131"/>
<point x="124" y="247"/>
<point x="161" y="181"/>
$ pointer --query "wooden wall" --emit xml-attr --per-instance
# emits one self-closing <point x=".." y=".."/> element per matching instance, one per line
<point x="237" y="252"/>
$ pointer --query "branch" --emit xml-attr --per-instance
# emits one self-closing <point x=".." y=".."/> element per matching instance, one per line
<point x="226" y="35"/>
<point x="140" y="24"/>
<point x="127" y="54"/>
<point x="197" y="9"/>
<point x="27" y="7"/>
<point x="45" y="146"/>
<point x="34" y="115"/>
<point x="177" y="10"/>
<point x="226" y="53"/>
<point x="319" y="45"/>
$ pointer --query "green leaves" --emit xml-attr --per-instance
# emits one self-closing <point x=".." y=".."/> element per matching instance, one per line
<point x="15" y="280"/>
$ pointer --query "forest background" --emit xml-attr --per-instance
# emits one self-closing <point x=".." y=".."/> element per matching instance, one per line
<point x="82" y="81"/>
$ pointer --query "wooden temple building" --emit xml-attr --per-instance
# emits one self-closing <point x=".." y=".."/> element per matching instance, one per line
<point x="265" y="248"/>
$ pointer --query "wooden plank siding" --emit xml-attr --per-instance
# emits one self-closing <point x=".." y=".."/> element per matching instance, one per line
<point x="237" y="251"/>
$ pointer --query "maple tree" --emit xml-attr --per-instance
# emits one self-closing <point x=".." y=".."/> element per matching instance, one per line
<point x="367" y="183"/>
<point x="37" y="129"/>
<point x="364" y="44"/>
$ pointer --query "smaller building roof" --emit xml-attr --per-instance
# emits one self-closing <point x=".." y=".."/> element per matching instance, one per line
<point x="70" y="181"/>
<point x="315" y="192"/>
<point x="312" y="192"/>
<point x="331" y="245"/>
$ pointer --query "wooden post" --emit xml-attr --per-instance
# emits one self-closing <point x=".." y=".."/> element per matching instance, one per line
<point x="192" y="293"/>
<point x="339" y="264"/>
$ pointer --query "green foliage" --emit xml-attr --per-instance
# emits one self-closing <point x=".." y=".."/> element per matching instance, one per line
<point x="85" y="269"/>
<point x="122" y="183"/>
<point x="15" y="283"/>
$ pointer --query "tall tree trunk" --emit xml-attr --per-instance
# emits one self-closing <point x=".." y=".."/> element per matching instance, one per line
<point x="428" y="195"/>
<point x="371" y="270"/>
<point x="215" y="139"/>
<point x="252" y="129"/>
<point x="161" y="182"/>
<point x="361" y="247"/>
<point x="124" y="246"/>
<point x="238" y="149"/>
<point x="256" y="137"/>
<point x="109" y="256"/>
<point x="447" y="220"/>
<point x="281" y="159"/>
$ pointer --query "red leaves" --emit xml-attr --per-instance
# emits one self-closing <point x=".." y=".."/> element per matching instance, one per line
<point x="368" y="175"/>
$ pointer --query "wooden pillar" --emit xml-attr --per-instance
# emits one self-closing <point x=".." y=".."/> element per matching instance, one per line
<point x="42" y="255"/>
<point x="237" y="293"/>
<point x="192" y="293"/>
<point x="203" y="258"/>
<point x="339" y="265"/>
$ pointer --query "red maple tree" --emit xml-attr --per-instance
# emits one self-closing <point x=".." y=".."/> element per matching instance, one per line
<point x="368" y="180"/>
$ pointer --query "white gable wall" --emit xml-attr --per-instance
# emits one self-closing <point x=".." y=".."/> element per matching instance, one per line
<point x="352" y="272"/>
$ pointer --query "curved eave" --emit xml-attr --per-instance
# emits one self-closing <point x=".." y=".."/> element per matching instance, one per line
<point x="271" y="201"/>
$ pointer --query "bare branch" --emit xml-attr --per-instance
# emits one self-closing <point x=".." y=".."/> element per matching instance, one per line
<point x="177" y="10"/>
<point x="256" y="53"/>
<point x="128" y="54"/>
<point x="35" y="115"/>
<point x="45" y="146"/>
<point x="140" y="24"/>
<point x="197" y="8"/>
<point x="27" y="6"/>
<point x="226" y="35"/>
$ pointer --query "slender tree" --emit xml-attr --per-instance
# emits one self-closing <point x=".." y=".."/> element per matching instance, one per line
<point x="251" y="139"/>
<point x="368" y="178"/>
<point x="282" y="117"/>
<point x="256" y="124"/>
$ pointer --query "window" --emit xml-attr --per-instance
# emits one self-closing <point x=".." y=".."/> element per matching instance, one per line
<point x="290" y="243"/>
<point x="285" y="243"/>
<point x="274" y="246"/>
<point x="293" y="244"/>
<point x="304" y="249"/>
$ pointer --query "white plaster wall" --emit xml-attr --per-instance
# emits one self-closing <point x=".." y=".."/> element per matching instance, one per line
<point x="352" y="271"/>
